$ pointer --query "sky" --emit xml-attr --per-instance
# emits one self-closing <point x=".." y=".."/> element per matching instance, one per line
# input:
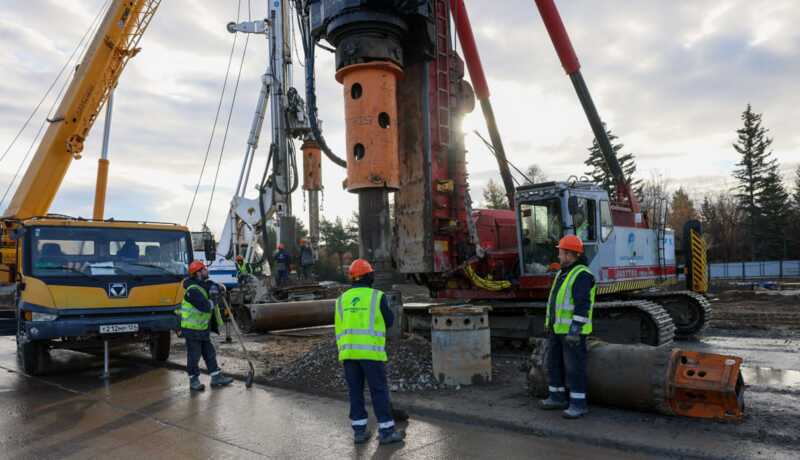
<point x="670" y="78"/>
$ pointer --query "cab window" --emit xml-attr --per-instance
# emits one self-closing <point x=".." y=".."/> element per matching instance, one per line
<point x="584" y="220"/>
<point x="606" y="222"/>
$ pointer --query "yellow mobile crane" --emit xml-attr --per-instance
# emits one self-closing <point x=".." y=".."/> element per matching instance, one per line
<point x="87" y="283"/>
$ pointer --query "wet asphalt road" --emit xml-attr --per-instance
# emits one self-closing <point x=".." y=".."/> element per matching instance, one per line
<point x="146" y="412"/>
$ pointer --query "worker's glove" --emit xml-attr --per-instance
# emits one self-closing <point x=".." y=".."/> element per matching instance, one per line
<point x="573" y="338"/>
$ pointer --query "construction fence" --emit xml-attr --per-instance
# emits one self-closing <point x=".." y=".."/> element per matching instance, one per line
<point x="770" y="269"/>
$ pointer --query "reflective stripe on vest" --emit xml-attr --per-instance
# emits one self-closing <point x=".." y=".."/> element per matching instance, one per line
<point x="565" y="304"/>
<point x="191" y="317"/>
<point x="360" y="328"/>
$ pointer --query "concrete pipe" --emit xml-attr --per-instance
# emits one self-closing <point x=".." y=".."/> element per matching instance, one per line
<point x="654" y="379"/>
<point x="266" y="317"/>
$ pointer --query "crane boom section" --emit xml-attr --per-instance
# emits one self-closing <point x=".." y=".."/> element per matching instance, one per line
<point x="110" y="50"/>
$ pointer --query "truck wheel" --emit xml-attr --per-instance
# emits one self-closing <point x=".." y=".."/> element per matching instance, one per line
<point x="159" y="346"/>
<point x="33" y="356"/>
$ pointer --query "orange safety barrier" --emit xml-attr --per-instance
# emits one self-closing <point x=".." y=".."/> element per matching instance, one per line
<point x="370" y="94"/>
<point x="312" y="165"/>
<point x="705" y="385"/>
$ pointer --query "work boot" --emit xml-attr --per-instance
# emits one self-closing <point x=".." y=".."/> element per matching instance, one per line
<point x="195" y="385"/>
<point x="554" y="401"/>
<point x="393" y="437"/>
<point x="220" y="380"/>
<point x="577" y="409"/>
<point x="361" y="436"/>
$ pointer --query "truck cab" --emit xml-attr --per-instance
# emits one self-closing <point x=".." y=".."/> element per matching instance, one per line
<point x="81" y="283"/>
<point x="622" y="250"/>
<point x="548" y="211"/>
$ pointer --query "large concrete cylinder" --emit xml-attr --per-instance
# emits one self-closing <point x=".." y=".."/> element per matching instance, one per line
<point x="266" y="317"/>
<point x="461" y="345"/>
<point x="655" y="379"/>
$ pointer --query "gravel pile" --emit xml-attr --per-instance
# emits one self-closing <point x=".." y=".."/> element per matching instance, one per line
<point x="409" y="367"/>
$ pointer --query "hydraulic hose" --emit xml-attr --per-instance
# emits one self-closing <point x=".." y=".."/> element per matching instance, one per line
<point x="311" y="99"/>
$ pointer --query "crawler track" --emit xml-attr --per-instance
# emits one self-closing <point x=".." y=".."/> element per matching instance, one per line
<point x="614" y="321"/>
<point x="690" y="311"/>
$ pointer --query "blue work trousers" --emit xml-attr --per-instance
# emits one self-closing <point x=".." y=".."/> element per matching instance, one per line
<point x="562" y="359"/>
<point x="374" y="372"/>
<point x="282" y="277"/>
<point x="194" y="350"/>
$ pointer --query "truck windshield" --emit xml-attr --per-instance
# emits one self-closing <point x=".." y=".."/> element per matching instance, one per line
<point x="74" y="252"/>
<point x="542" y="227"/>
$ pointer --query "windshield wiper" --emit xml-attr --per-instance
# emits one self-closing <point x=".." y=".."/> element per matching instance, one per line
<point x="75" y="270"/>
<point x="155" y="266"/>
<point x="126" y="272"/>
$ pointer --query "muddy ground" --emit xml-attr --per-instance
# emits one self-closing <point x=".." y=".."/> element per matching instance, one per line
<point x="760" y="326"/>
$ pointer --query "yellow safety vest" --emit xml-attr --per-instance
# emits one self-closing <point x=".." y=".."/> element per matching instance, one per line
<point x="360" y="329"/>
<point x="194" y="319"/>
<point x="565" y="305"/>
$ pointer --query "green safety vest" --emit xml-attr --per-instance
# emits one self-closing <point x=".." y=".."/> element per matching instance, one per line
<point x="360" y="329"/>
<point x="565" y="305"/>
<point x="194" y="319"/>
<point x="244" y="269"/>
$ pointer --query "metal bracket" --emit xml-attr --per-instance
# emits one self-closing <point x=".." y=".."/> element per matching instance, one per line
<point x="249" y="27"/>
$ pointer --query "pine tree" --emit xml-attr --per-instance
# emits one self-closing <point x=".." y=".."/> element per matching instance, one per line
<point x="600" y="172"/>
<point x="494" y="197"/>
<point x="796" y="194"/>
<point x="794" y="226"/>
<point x="752" y="172"/>
<point x="774" y="206"/>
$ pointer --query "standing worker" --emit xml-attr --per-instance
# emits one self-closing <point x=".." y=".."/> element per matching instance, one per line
<point x="282" y="264"/>
<point x="306" y="259"/>
<point x="242" y="268"/>
<point x="199" y="313"/>
<point x="569" y="313"/>
<point x="361" y="319"/>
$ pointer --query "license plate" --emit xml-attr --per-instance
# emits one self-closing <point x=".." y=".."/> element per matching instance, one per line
<point x="117" y="328"/>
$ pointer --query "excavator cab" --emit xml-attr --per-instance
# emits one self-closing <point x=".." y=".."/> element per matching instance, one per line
<point x="548" y="211"/>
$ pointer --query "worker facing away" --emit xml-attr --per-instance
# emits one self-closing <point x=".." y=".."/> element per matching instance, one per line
<point x="283" y="261"/>
<point x="568" y="322"/>
<point x="361" y="319"/>
<point x="306" y="260"/>
<point x="199" y="315"/>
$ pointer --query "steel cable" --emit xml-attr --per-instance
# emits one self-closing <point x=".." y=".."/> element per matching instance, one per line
<point x="216" y="117"/>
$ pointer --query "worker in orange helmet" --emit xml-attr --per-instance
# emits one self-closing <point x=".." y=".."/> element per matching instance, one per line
<point x="242" y="268"/>
<point x="283" y="262"/>
<point x="568" y="323"/>
<point x="362" y="318"/>
<point x="199" y="312"/>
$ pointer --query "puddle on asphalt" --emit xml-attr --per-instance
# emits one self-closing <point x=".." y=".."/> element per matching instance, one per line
<point x="769" y="376"/>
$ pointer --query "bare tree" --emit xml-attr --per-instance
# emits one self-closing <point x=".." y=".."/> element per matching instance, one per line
<point x="654" y="191"/>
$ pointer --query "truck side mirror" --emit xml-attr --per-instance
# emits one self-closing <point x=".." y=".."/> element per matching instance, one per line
<point x="572" y="204"/>
<point x="210" y="248"/>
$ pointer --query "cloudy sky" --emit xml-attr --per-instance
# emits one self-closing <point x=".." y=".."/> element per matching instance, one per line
<point x="671" y="78"/>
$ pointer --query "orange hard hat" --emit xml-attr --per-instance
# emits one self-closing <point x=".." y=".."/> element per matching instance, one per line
<point x="239" y="257"/>
<point x="571" y="243"/>
<point x="359" y="268"/>
<point x="196" y="266"/>
<point x="281" y="246"/>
